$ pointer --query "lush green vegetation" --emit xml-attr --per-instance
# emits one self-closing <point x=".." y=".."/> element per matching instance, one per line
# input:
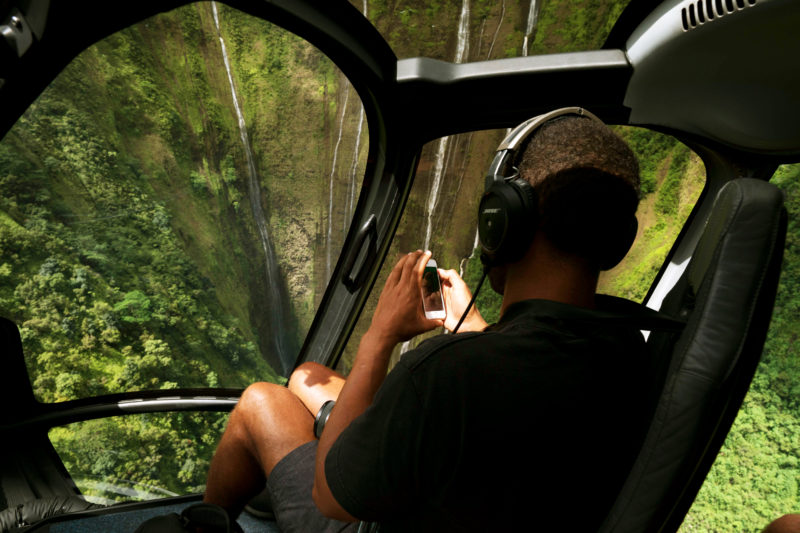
<point x="119" y="223"/>
<point x="154" y="456"/>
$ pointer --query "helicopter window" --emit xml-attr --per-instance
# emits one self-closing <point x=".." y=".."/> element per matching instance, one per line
<point x="462" y="30"/>
<point x="441" y="215"/>
<point x="173" y="204"/>
<point x="154" y="456"/>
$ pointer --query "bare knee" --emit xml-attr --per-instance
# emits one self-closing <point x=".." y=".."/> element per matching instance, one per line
<point x="315" y="384"/>
<point x="304" y="374"/>
<point x="269" y="421"/>
<point x="259" y="397"/>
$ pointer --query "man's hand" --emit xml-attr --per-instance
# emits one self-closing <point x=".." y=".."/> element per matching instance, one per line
<point x="399" y="315"/>
<point x="456" y="298"/>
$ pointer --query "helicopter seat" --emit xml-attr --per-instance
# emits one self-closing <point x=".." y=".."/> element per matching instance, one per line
<point x="700" y="376"/>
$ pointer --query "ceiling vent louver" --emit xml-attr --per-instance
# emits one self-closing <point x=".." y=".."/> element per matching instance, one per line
<point x="699" y="12"/>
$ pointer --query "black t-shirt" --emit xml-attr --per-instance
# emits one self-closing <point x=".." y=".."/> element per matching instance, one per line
<point x="530" y="423"/>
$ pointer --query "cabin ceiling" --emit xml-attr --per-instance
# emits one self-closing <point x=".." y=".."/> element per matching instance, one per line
<point x="732" y="78"/>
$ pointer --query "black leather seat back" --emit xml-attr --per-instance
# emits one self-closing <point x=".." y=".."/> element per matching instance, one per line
<point x="726" y="296"/>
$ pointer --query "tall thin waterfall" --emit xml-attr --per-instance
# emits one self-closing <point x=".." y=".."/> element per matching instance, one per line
<point x="275" y="302"/>
<point x="351" y="187"/>
<point x="346" y="87"/>
<point x="462" y="50"/>
<point x="530" y="26"/>
<point x="462" y="45"/>
<point x="497" y="29"/>
<point x="462" y="265"/>
<point x="438" y="172"/>
<point x="350" y="199"/>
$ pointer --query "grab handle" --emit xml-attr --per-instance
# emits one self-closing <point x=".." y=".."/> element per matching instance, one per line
<point x="367" y="235"/>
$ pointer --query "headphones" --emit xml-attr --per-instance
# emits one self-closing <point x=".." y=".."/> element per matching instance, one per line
<point x="508" y="210"/>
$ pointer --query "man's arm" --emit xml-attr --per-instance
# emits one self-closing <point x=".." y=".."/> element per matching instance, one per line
<point x="398" y="317"/>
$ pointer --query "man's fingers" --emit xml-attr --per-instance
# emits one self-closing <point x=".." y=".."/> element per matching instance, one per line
<point x="397" y="271"/>
<point x="419" y="268"/>
<point x="408" y="266"/>
<point x="448" y="275"/>
<point x="452" y="278"/>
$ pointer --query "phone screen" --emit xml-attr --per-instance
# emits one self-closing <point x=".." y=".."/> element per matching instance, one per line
<point x="432" y="292"/>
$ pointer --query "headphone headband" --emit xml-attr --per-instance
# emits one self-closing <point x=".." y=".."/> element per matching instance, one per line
<point x="516" y="137"/>
<point x="501" y="168"/>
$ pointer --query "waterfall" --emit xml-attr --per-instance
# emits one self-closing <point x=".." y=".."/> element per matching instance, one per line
<point x="462" y="50"/>
<point x="497" y="29"/>
<point x="351" y="188"/>
<point x="438" y="172"/>
<point x="530" y="26"/>
<point x="350" y="200"/>
<point x="464" y="260"/>
<point x="346" y="87"/>
<point x="462" y="45"/>
<point x="275" y="302"/>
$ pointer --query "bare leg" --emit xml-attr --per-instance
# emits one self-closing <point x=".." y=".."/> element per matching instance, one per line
<point x="315" y="384"/>
<point x="268" y="422"/>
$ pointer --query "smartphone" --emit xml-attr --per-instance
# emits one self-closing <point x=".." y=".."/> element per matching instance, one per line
<point x="432" y="301"/>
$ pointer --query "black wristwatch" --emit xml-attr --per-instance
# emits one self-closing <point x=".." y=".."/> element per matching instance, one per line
<point x="322" y="417"/>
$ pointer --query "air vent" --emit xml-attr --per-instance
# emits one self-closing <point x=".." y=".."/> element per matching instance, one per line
<point x="699" y="12"/>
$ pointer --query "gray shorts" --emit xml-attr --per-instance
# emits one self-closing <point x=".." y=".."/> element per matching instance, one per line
<point x="289" y="486"/>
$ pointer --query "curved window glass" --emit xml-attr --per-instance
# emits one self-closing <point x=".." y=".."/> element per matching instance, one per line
<point x="461" y="31"/>
<point x="172" y="206"/>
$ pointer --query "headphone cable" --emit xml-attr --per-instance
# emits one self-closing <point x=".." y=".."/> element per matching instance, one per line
<point x="472" y="301"/>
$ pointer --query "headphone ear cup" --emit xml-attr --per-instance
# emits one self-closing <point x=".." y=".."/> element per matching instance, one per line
<point x="506" y="221"/>
<point x="617" y="251"/>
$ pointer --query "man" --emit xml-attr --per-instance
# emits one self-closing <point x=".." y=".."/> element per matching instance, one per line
<point x="527" y="423"/>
